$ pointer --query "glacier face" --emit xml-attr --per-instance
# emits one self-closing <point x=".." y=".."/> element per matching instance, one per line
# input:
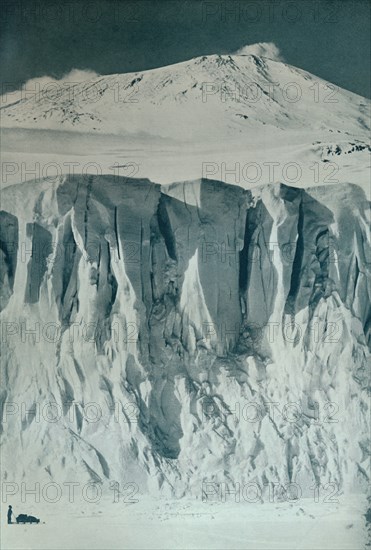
<point x="182" y="334"/>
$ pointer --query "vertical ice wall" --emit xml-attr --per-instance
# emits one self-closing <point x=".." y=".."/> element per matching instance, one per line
<point x="182" y="303"/>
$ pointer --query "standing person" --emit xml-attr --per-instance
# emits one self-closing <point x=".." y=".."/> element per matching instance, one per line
<point x="10" y="512"/>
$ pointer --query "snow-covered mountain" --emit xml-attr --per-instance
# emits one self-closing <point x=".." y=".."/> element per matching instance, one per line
<point x="228" y="94"/>
<point x="196" y="119"/>
<point x="187" y="331"/>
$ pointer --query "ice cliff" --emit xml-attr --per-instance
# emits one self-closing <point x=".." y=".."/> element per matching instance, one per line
<point x="170" y="327"/>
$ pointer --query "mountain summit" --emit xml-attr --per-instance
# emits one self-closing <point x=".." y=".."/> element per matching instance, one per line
<point x="224" y="94"/>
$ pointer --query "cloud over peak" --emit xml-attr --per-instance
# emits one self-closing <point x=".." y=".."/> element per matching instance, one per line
<point x="262" y="49"/>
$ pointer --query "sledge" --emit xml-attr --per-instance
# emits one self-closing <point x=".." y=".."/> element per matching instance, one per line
<point x="24" y="518"/>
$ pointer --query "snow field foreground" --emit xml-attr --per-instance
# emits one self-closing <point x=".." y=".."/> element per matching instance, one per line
<point x="178" y="524"/>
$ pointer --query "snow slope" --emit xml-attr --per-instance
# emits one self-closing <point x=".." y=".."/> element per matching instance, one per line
<point x="185" y="120"/>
